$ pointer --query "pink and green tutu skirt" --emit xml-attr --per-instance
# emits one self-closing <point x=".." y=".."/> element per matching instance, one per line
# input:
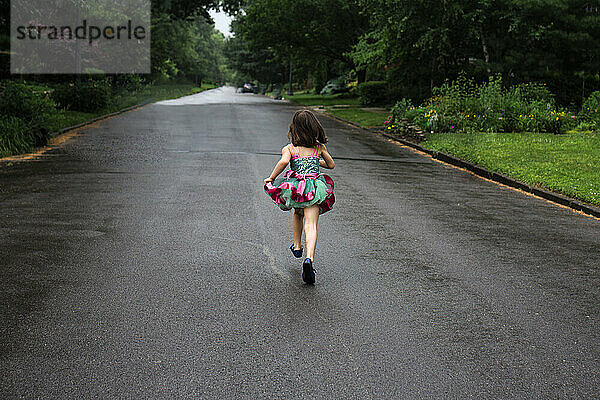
<point x="301" y="191"/>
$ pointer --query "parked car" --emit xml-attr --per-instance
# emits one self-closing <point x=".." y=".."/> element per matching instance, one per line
<point x="249" y="88"/>
<point x="336" y="85"/>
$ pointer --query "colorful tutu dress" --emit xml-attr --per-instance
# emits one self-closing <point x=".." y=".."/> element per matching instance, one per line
<point x="302" y="185"/>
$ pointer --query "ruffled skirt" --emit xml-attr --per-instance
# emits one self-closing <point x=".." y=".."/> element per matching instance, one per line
<point x="302" y="191"/>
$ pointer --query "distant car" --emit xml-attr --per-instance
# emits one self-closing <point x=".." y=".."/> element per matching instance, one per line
<point x="334" y="86"/>
<point x="249" y="88"/>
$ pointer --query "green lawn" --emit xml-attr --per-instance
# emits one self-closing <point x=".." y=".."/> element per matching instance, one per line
<point x="64" y="119"/>
<point x="309" y="99"/>
<point x="567" y="164"/>
<point x="160" y="92"/>
<point x="350" y="110"/>
<point x="23" y="140"/>
<point x="67" y="118"/>
<point x="364" y="118"/>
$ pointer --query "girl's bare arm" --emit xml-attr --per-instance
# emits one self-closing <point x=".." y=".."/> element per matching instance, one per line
<point x="327" y="161"/>
<point x="281" y="164"/>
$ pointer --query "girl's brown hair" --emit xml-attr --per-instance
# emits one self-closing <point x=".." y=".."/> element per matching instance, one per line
<point x="306" y="130"/>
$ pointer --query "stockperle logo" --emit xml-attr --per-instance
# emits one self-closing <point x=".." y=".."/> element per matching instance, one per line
<point x="80" y="36"/>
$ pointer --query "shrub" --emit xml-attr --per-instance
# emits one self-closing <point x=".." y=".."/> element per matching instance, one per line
<point x="130" y="82"/>
<point x="86" y="96"/>
<point x="400" y="109"/>
<point x="373" y="93"/>
<point x="585" y="126"/>
<point x="590" y="111"/>
<point x="34" y="106"/>
<point x="463" y="106"/>
<point x="15" y="136"/>
<point x="534" y="92"/>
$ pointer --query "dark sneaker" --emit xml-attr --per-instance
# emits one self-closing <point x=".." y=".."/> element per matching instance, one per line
<point x="308" y="273"/>
<point x="296" y="253"/>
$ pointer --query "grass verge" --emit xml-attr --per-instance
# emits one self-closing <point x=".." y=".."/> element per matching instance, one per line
<point x="342" y="106"/>
<point x="309" y="99"/>
<point x="362" y="117"/>
<point x="66" y="118"/>
<point x="566" y="164"/>
<point x="18" y="138"/>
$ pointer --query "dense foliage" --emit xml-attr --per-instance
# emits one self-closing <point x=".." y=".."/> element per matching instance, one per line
<point x="28" y="104"/>
<point x="24" y="114"/>
<point x="590" y="112"/>
<point x="189" y="48"/>
<point x="417" y="46"/>
<point x="185" y="47"/>
<point x="463" y="106"/>
<point x="314" y="36"/>
<point x="373" y="93"/>
<point x="422" y="44"/>
<point x="89" y="95"/>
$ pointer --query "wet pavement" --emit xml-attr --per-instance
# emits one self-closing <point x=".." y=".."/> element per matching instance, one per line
<point x="142" y="259"/>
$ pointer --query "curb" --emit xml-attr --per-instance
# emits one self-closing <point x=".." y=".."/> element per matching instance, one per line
<point x="91" y="121"/>
<point x="487" y="174"/>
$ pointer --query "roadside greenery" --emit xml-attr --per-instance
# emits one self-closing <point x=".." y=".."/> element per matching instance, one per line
<point x="463" y="106"/>
<point x="22" y="105"/>
<point x="590" y="112"/>
<point x="28" y="114"/>
<point x="309" y="99"/>
<point x="189" y="49"/>
<point x="373" y="93"/>
<point x="343" y="106"/>
<point x="565" y="164"/>
<point x="367" y="118"/>
<point x="187" y="56"/>
<point x="415" y="46"/>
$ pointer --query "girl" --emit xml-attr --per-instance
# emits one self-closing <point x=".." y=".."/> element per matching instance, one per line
<point x="303" y="188"/>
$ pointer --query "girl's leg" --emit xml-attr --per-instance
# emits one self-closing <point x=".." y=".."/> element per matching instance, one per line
<point x="297" y="219"/>
<point x="311" y="217"/>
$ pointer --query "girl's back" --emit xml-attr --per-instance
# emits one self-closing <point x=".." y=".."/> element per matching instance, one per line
<point x="304" y="162"/>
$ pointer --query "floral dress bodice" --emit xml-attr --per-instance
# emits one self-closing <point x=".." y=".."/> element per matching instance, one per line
<point x="305" y="165"/>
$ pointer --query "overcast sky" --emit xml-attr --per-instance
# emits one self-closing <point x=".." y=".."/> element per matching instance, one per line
<point x="222" y="21"/>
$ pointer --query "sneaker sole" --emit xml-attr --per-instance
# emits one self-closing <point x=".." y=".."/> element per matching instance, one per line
<point x="307" y="275"/>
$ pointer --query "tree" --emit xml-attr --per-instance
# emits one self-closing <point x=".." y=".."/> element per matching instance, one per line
<point x="310" y="33"/>
<point x="190" y="48"/>
<point x="424" y="43"/>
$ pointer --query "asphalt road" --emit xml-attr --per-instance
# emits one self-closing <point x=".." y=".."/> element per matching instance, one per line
<point x="142" y="259"/>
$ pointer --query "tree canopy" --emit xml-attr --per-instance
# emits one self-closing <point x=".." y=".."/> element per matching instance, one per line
<point x="418" y="45"/>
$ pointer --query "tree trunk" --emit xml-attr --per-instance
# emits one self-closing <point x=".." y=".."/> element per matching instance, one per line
<point x="290" y="90"/>
<point x="361" y="74"/>
<point x="431" y="77"/>
<point x="486" y="54"/>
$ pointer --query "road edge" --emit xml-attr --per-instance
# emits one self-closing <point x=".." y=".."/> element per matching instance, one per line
<point x="101" y="117"/>
<point x="553" y="197"/>
<point x="63" y="131"/>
